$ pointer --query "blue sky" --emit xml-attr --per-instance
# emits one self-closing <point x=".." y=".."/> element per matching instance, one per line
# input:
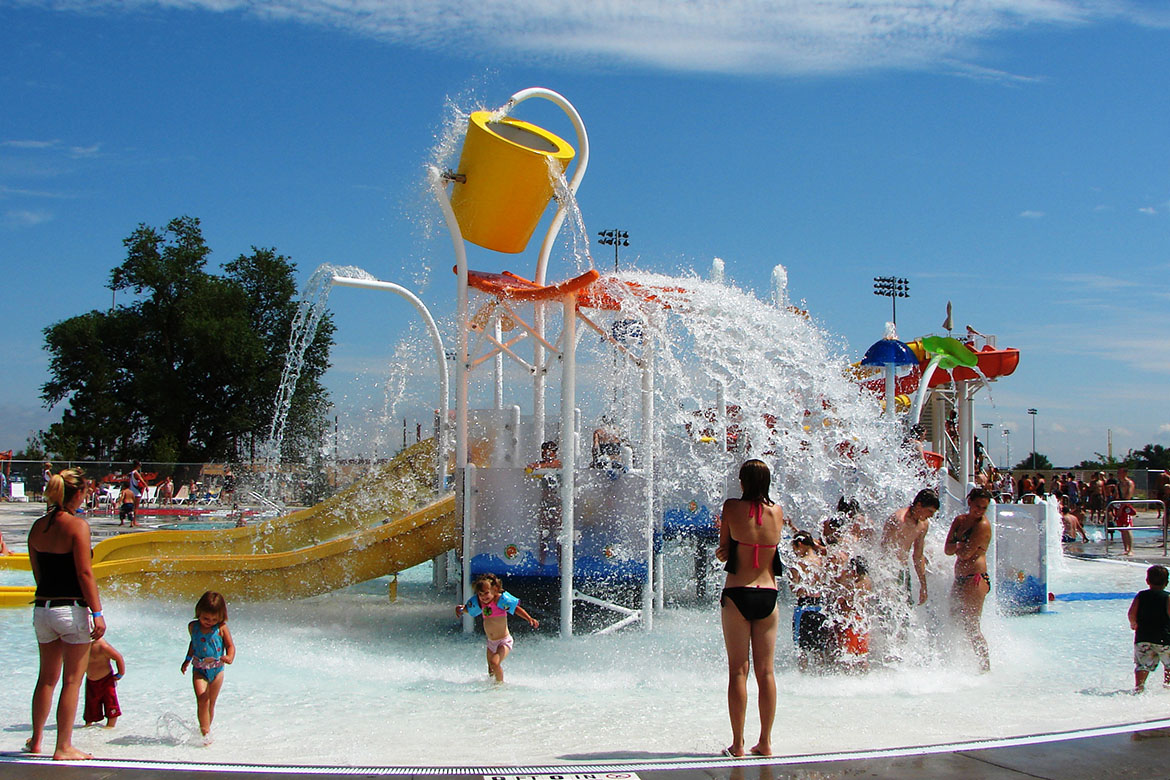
<point x="1009" y="157"/>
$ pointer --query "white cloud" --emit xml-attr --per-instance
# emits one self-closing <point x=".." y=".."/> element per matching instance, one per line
<point x="1032" y="214"/>
<point x="15" y="192"/>
<point x="30" y="144"/>
<point x="1098" y="281"/>
<point x="26" y="218"/>
<point x="1148" y="210"/>
<point x="84" y="151"/>
<point x="1164" y="428"/>
<point x="730" y="36"/>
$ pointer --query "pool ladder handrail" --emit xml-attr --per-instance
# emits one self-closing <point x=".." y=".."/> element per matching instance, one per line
<point x="1115" y="502"/>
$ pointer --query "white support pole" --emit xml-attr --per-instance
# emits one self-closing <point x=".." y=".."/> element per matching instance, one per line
<point x="653" y="593"/>
<point x="539" y="363"/>
<point x="499" y="366"/>
<point x="938" y="422"/>
<point x="468" y="525"/>
<point x="966" y="434"/>
<point x="891" y="389"/>
<point x="461" y="367"/>
<point x="568" y="459"/>
<point x="514" y="423"/>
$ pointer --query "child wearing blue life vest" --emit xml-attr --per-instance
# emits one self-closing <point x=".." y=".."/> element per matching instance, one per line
<point x="495" y="604"/>
<point x="211" y="647"/>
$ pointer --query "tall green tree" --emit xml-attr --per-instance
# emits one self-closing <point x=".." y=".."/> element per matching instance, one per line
<point x="1151" y="456"/>
<point x="188" y="369"/>
<point x="1041" y="462"/>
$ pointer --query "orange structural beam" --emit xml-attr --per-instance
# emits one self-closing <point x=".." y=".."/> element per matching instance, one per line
<point x="517" y="288"/>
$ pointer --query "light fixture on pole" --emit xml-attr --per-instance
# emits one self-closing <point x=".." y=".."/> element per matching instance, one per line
<point x="892" y="287"/>
<point x="614" y="238"/>
<point x="1033" y="413"/>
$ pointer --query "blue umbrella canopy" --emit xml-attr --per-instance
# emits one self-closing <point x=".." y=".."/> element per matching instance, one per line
<point x="889" y="352"/>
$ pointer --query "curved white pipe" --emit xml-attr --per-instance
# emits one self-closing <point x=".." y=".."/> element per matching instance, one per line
<point x="538" y="356"/>
<point x="440" y="356"/>
<point x="923" y="389"/>
<point x="562" y="103"/>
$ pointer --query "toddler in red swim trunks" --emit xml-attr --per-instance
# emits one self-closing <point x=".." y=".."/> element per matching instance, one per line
<point x="101" y="696"/>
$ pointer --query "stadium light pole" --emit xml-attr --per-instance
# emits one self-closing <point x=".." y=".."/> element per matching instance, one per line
<point x="892" y="287"/>
<point x="614" y="238"/>
<point x="1033" y="412"/>
<point x="1007" y="444"/>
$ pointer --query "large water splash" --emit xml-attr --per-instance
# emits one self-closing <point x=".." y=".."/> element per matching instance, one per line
<point x="314" y="297"/>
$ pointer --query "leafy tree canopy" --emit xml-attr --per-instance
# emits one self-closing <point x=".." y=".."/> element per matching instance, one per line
<point x="1041" y="463"/>
<point x="188" y="370"/>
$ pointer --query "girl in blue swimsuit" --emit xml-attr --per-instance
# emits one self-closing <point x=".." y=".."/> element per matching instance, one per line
<point x="210" y="648"/>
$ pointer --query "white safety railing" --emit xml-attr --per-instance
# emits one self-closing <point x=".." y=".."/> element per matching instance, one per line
<point x="1109" y="529"/>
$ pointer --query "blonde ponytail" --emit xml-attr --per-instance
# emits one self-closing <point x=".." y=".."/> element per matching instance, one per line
<point x="63" y="486"/>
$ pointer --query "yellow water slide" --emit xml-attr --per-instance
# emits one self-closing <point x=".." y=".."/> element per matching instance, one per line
<point x="366" y="531"/>
<point x="291" y="574"/>
<point x="395" y="489"/>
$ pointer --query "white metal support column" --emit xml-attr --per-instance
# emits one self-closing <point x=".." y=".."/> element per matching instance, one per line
<point x="966" y="433"/>
<point x="461" y="368"/>
<point x="568" y="458"/>
<point x="654" y="563"/>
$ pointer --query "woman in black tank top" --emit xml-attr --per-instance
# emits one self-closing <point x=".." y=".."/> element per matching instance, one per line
<point x="66" y="601"/>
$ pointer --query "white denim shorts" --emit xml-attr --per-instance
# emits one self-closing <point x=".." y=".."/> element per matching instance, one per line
<point x="69" y="624"/>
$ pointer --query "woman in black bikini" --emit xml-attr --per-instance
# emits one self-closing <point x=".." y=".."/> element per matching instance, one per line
<point x="68" y="612"/>
<point x="748" y="537"/>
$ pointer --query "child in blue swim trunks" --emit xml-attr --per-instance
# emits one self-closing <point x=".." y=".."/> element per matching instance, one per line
<point x="211" y="647"/>
<point x="495" y="604"/>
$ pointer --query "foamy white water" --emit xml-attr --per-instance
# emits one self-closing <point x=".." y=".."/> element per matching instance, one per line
<point x="350" y="678"/>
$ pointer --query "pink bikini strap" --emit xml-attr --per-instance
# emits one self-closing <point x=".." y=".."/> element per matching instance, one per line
<point x="756" y="511"/>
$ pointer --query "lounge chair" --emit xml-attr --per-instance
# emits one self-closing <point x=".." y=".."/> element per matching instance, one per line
<point x="182" y="496"/>
<point x="16" y="492"/>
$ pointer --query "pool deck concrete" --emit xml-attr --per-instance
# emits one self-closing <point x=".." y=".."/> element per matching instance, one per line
<point x="1141" y="754"/>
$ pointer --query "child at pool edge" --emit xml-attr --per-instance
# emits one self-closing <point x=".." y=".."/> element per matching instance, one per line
<point x="101" y="695"/>
<point x="1149" y="617"/>
<point x="210" y="648"/>
<point x="494" y="603"/>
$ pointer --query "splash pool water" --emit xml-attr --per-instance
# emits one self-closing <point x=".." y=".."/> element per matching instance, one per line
<point x="352" y="679"/>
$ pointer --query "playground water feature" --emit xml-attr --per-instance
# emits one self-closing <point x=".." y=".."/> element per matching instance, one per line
<point x="346" y="678"/>
<point x="350" y="679"/>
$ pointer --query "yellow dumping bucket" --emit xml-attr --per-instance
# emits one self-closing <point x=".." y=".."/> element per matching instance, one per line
<point x="507" y="187"/>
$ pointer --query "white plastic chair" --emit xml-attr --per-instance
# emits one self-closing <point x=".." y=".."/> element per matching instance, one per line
<point x="16" y="492"/>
